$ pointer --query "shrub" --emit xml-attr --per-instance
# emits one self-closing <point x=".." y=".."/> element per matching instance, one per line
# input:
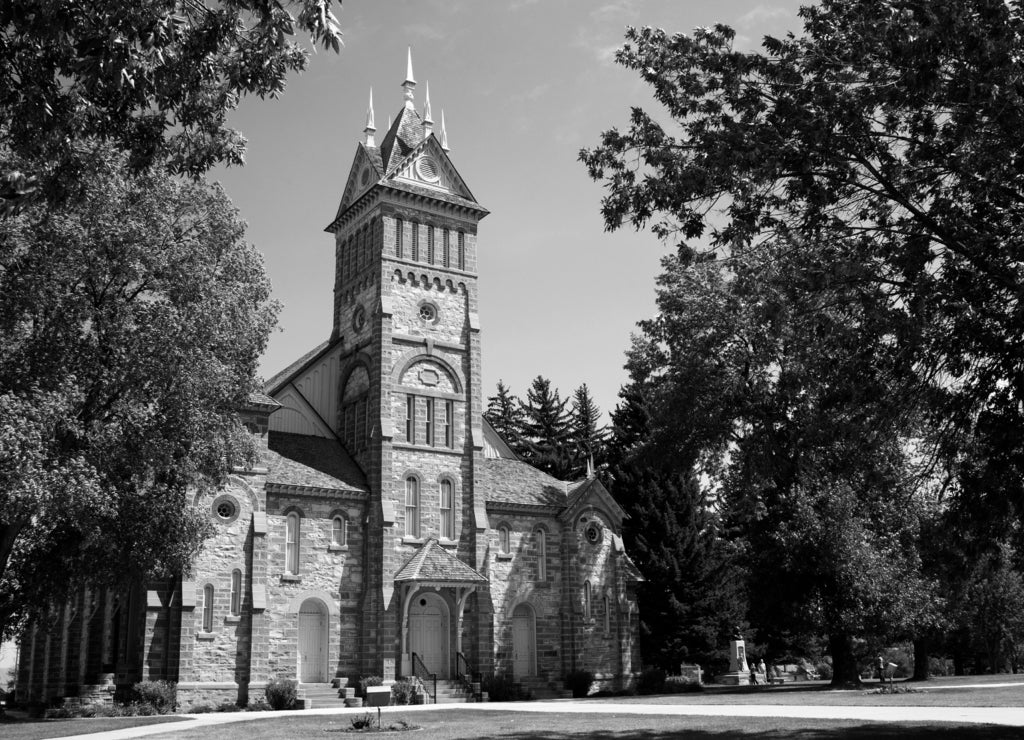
<point x="282" y="693"/>
<point x="162" y="696"/>
<point x="403" y="690"/>
<point x="651" y="681"/>
<point x="362" y="721"/>
<point x="824" y="670"/>
<point x="228" y="706"/>
<point x="503" y="688"/>
<point x="367" y="681"/>
<point x="681" y="685"/>
<point x="578" y="682"/>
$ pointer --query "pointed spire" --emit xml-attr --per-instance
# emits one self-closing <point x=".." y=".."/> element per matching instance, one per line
<point x="370" y="128"/>
<point x="410" y="81"/>
<point x="428" y="122"/>
<point x="444" y="133"/>
<point x="590" y="466"/>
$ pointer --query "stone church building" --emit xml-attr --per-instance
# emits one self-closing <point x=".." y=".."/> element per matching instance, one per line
<point x="388" y="529"/>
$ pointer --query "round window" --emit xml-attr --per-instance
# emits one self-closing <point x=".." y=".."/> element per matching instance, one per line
<point x="359" y="318"/>
<point x="225" y="509"/>
<point x="428" y="312"/>
<point x="427" y="169"/>
<point x="593" y="532"/>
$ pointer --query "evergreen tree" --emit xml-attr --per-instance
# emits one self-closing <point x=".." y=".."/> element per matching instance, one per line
<point x="546" y="430"/>
<point x="505" y="413"/>
<point x="587" y="439"/>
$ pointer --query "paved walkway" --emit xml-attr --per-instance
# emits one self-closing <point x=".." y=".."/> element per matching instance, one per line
<point x="1008" y="716"/>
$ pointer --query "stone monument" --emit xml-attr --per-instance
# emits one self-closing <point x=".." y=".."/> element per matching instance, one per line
<point x="739" y="672"/>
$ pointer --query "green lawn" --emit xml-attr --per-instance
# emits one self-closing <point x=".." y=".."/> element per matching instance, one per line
<point x="464" y="725"/>
<point x="502" y="724"/>
<point x="37" y="729"/>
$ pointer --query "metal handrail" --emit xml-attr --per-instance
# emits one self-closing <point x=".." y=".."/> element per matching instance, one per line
<point x="462" y="667"/>
<point x="419" y="669"/>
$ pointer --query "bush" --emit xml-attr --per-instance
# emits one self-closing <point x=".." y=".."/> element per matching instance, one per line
<point x="824" y="670"/>
<point x="651" y="681"/>
<point x="282" y="693"/>
<point x="681" y="685"/>
<point x="578" y="682"/>
<point x="403" y="690"/>
<point x="367" y="681"/>
<point x="362" y="721"/>
<point x="162" y="696"/>
<point x="503" y="688"/>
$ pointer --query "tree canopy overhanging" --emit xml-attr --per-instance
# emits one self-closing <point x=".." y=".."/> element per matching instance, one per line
<point x="156" y="78"/>
<point x="131" y="323"/>
<point x="841" y="319"/>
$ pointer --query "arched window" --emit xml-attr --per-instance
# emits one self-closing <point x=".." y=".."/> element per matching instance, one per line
<point x="291" y="564"/>
<point x="339" y="531"/>
<point x="446" y="248"/>
<point x="542" y="555"/>
<point x="586" y="599"/>
<point x="606" y="602"/>
<point x="430" y="244"/>
<point x="447" y="511"/>
<point x="412" y="507"/>
<point x="503" y="544"/>
<point x="208" y="608"/>
<point x="236" y="592"/>
<point x="462" y="250"/>
<point x="415" y="242"/>
<point x="399" y="246"/>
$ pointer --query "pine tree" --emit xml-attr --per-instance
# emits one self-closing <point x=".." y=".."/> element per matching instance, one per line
<point x="546" y="429"/>
<point x="505" y="412"/>
<point x="586" y="437"/>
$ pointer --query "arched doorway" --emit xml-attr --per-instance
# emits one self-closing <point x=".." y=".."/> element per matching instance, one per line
<point x="428" y="632"/>
<point x="313" y="621"/>
<point x="524" y="641"/>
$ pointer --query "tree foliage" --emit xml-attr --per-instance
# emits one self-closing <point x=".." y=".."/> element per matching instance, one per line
<point x="847" y="221"/>
<point x="505" y="413"/>
<point x="131" y="322"/>
<point x="155" y="78"/>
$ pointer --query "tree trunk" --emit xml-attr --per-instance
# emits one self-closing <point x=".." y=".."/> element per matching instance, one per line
<point x="921" y="667"/>
<point x="845" y="673"/>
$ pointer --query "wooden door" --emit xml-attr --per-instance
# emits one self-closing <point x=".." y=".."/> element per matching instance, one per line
<point x="312" y="642"/>
<point x="523" y="642"/>
<point x="428" y="633"/>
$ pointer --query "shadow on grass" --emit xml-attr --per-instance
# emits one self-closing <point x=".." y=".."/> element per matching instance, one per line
<point x="868" y="731"/>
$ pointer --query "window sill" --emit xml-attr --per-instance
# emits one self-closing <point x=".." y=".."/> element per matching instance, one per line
<point x="291" y="578"/>
<point x="337" y="548"/>
<point x="448" y="543"/>
<point x="407" y="540"/>
<point x="503" y="556"/>
<point x="205" y="636"/>
<point x="233" y="619"/>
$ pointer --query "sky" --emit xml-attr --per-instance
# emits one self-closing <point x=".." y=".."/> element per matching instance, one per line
<point x="524" y="85"/>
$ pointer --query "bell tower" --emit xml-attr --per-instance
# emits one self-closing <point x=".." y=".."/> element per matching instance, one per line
<point x="410" y="395"/>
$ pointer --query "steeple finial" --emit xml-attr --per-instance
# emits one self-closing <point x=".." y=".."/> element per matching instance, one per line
<point x="428" y="122"/>
<point x="444" y="133"/>
<point x="370" y="128"/>
<point x="410" y="81"/>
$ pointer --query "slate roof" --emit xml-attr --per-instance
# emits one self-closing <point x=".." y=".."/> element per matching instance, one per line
<point x="434" y="563"/>
<point x="515" y="482"/>
<point x="578" y="490"/>
<point x="405" y="134"/>
<point x="259" y="398"/>
<point x="279" y="379"/>
<point x="311" y="462"/>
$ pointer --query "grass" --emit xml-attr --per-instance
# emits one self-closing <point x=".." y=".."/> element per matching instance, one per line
<point x="456" y="725"/>
<point x="38" y="729"/>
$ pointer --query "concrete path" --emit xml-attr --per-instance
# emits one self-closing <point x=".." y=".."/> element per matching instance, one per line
<point x="1009" y="716"/>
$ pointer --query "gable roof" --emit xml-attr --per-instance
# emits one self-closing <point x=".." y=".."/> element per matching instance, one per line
<point x="298" y="460"/>
<point x="508" y="481"/>
<point x="435" y="564"/>
<point x="282" y="378"/>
